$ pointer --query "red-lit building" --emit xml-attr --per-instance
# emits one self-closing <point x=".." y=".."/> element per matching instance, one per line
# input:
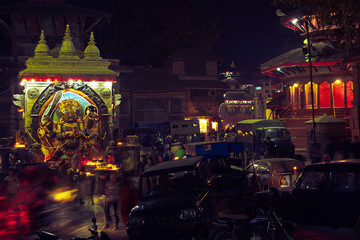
<point x="333" y="81"/>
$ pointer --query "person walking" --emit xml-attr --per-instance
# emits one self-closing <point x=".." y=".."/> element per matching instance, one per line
<point x="315" y="153"/>
<point x="128" y="197"/>
<point x="141" y="165"/>
<point x="112" y="190"/>
<point x="12" y="183"/>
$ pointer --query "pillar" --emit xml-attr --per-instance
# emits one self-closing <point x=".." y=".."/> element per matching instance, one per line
<point x="355" y="111"/>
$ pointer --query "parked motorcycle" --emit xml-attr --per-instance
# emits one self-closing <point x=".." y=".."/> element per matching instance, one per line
<point x="226" y="228"/>
<point x="43" y="235"/>
<point x="267" y="225"/>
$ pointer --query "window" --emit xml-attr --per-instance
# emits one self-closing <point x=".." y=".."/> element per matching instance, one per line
<point x="338" y="94"/>
<point x="325" y="101"/>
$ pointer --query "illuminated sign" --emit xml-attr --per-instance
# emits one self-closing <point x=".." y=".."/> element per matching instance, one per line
<point x="239" y="101"/>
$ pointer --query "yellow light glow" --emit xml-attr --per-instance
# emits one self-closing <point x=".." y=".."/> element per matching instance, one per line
<point x="214" y="125"/>
<point x="64" y="195"/>
<point x="120" y="143"/>
<point x="108" y="84"/>
<point x="203" y="125"/>
<point x="33" y="80"/>
<point x="19" y="145"/>
<point x="79" y="80"/>
<point x="296" y="85"/>
<point x="23" y="82"/>
<point x="48" y="80"/>
<point x="338" y="81"/>
<point x="71" y="80"/>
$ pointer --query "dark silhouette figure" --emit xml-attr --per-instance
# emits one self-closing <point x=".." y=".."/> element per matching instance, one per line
<point x="269" y="148"/>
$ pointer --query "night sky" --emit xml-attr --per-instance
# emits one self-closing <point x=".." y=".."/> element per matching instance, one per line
<point x="251" y="31"/>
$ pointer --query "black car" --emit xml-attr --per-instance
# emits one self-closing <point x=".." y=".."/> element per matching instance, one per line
<point x="326" y="195"/>
<point x="177" y="198"/>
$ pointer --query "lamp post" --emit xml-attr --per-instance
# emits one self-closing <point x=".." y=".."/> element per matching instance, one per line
<point x="311" y="80"/>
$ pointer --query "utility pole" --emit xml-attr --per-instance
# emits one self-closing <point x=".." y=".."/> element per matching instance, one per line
<point x="311" y="80"/>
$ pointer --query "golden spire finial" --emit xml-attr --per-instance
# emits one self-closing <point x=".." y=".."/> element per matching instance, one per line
<point x="67" y="47"/>
<point x="91" y="51"/>
<point x="42" y="49"/>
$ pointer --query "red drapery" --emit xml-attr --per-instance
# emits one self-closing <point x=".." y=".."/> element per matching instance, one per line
<point x="325" y="100"/>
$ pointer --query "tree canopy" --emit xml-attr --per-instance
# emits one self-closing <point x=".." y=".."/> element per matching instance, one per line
<point x="344" y="14"/>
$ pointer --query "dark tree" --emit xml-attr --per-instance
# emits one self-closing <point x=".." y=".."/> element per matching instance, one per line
<point x="339" y="18"/>
<point x="146" y="32"/>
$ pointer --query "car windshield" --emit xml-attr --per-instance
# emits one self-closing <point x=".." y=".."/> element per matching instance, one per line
<point x="340" y="180"/>
<point x="170" y="183"/>
<point x="277" y="133"/>
<point x="288" y="166"/>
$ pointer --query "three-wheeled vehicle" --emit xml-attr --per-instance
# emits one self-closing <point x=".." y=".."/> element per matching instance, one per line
<point x="253" y="133"/>
<point x="231" y="150"/>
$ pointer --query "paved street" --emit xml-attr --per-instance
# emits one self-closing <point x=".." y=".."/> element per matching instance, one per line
<point x="68" y="221"/>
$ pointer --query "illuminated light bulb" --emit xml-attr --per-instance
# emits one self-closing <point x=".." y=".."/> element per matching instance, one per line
<point x="338" y="81"/>
<point x="294" y="21"/>
<point x="79" y="80"/>
<point x="279" y="69"/>
<point x="70" y="80"/>
<point x="33" y="80"/>
<point x="296" y="85"/>
<point x="48" y="80"/>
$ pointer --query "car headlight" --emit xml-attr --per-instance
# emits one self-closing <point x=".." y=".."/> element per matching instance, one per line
<point x="187" y="213"/>
<point x="136" y="220"/>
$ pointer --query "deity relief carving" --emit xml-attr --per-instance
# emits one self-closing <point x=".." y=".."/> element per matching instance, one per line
<point x="105" y="93"/>
<point x="70" y="128"/>
<point x="33" y="93"/>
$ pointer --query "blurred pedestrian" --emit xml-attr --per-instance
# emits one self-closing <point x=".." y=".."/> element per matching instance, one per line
<point x="12" y="184"/>
<point x="149" y="164"/>
<point x="128" y="197"/>
<point x="315" y="153"/>
<point x="329" y="150"/>
<point x="141" y="165"/>
<point x="355" y="147"/>
<point x="101" y="182"/>
<point x="92" y="187"/>
<point x="112" y="190"/>
<point x="269" y="148"/>
<point x="154" y="155"/>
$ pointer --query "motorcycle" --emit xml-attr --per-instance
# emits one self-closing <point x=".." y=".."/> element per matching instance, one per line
<point x="267" y="225"/>
<point x="43" y="235"/>
<point x="226" y="228"/>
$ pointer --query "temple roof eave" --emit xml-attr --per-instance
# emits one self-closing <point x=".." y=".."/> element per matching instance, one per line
<point x="295" y="58"/>
<point x="67" y="72"/>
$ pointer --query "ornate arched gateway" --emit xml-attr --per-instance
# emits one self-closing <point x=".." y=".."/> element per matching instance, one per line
<point x="68" y="101"/>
